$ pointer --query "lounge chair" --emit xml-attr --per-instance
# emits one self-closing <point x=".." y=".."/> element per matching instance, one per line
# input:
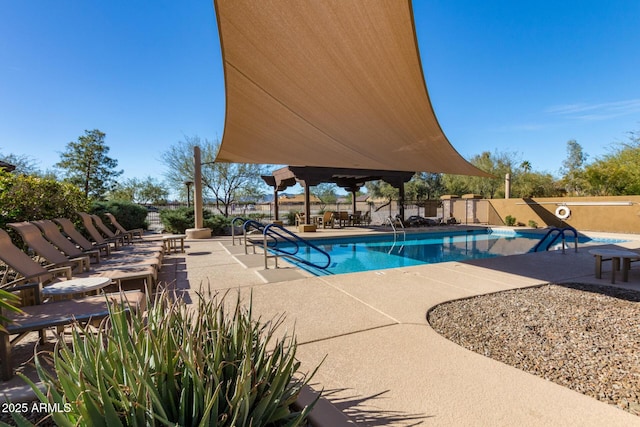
<point x="38" y="315"/>
<point x="300" y="219"/>
<point x="72" y="232"/>
<point x="32" y="237"/>
<point x="327" y="219"/>
<point x="90" y="226"/>
<point x="135" y="233"/>
<point x="57" y="314"/>
<point x="118" y="274"/>
<point x="53" y="234"/>
<point x="119" y="259"/>
<point x="77" y="237"/>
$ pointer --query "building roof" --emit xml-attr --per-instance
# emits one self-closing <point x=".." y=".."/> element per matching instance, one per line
<point x="6" y="166"/>
<point x="330" y="83"/>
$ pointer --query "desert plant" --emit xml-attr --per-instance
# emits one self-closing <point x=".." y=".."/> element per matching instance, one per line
<point x="176" y="365"/>
<point x="8" y="302"/>
<point x="533" y="224"/>
<point x="510" y="220"/>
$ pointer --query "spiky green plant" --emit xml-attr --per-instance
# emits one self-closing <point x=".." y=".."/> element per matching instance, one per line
<point x="7" y="303"/>
<point x="177" y="365"/>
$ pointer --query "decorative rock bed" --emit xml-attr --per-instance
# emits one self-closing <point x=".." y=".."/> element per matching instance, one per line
<point x="583" y="337"/>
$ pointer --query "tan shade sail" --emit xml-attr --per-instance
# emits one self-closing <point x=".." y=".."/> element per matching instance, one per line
<point x="333" y="83"/>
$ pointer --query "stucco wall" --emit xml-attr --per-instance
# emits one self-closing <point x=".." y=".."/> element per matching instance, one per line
<point x="596" y="217"/>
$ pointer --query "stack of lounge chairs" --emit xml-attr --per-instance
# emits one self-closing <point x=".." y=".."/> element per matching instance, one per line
<point x="124" y="259"/>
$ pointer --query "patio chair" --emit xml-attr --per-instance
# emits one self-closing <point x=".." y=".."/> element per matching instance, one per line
<point x="72" y="232"/>
<point x="135" y="233"/>
<point x="53" y="235"/>
<point x="38" y="314"/>
<point x="327" y="219"/>
<point x="300" y="218"/>
<point x="32" y="237"/>
<point x="88" y="223"/>
<point x="145" y="274"/>
<point x="39" y="317"/>
<point x="146" y="248"/>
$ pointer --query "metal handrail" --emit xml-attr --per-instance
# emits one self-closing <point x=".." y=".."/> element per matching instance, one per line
<point x="560" y="233"/>
<point x="392" y="221"/>
<point x="256" y="227"/>
<point x="233" y="230"/>
<point x="275" y="231"/>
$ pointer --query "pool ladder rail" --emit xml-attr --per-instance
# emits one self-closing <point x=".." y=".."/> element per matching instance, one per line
<point x="277" y="233"/>
<point x="559" y="233"/>
<point x="271" y="236"/>
<point x="392" y="221"/>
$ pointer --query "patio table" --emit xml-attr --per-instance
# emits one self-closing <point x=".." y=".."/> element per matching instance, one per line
<point x="171" y="242"/>
<point x="69" y="288"/>
<point x="614" y="255"/>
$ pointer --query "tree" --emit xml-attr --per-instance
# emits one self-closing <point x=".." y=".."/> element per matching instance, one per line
<point x="87" y="165"/>
<point x="617" y="173"/>
<point x="145" y="191"/>
<point x="572" y="168"/>
<point x="497" y="164"/>
<point x="424" y="186"/>
<point x="226" y="183"/>
<point x="24" y="164"/>
<point x="535" y="184"/>
<point x="326" y="193"/>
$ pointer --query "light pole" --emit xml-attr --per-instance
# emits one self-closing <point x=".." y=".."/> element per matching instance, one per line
<point x="188" y="184"/>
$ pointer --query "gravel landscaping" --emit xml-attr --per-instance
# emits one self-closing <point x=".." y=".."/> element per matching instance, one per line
<point x="583" y="337"/>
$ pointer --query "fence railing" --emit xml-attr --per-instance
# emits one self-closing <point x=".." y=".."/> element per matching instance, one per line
<point x="378" y="211"/>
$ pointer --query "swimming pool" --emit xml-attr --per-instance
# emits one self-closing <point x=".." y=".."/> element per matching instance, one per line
<point x="378" y="252"/>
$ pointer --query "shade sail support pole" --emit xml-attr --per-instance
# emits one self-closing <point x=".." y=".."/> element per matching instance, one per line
<point x="198" y="232"/>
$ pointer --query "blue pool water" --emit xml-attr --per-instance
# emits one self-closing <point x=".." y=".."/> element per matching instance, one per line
<point x="364" y="253"/>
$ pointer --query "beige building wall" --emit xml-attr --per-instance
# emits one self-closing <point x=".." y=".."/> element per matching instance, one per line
<point x="620" y="214"/>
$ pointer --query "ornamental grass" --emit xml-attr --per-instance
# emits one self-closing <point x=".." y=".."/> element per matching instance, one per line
<point x="176" y="364"/>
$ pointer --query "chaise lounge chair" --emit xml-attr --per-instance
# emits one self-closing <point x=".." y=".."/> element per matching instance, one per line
<point x="37" y="314"/>
<point x="146" y="274"/>
<point x="135" y="233"/>
<point x="97" y="236"/>
<point x="76" y="237"/>
<point x="130" y="258"/>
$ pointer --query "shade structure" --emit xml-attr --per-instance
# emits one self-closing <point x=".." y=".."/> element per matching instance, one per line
<point x="332" y="83"/>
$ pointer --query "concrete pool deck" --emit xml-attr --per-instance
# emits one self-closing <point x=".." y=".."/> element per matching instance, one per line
<point x="384" y="364"/>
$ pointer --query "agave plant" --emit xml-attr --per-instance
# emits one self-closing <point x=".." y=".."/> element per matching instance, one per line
<point x="176" y="365"/>
<point x="7" y="301"/>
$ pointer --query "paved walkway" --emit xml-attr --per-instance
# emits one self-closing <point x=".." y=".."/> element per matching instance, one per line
<point x="384" y="365"/>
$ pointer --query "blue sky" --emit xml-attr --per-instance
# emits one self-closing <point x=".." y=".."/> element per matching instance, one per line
<point x="507" y="76"/>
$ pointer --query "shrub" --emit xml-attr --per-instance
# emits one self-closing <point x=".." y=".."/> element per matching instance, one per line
<point x="533" y="224"/>
<point x="176" y="366"/>
<point x="509" y="220"/>
<point x="219" y="224"/>
<point x="129" y="215"/>
<point x="29" y="198"/>
<point x="291" y="217"/>
<point x="178" y="220"/>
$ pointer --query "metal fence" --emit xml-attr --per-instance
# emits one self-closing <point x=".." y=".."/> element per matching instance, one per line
<point x="378" y="211"/>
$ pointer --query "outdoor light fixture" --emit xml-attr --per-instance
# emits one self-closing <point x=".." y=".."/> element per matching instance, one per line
<point x="188" y="184"/>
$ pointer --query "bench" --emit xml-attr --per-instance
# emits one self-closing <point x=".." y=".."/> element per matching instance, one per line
<point x="56" y="314"/>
